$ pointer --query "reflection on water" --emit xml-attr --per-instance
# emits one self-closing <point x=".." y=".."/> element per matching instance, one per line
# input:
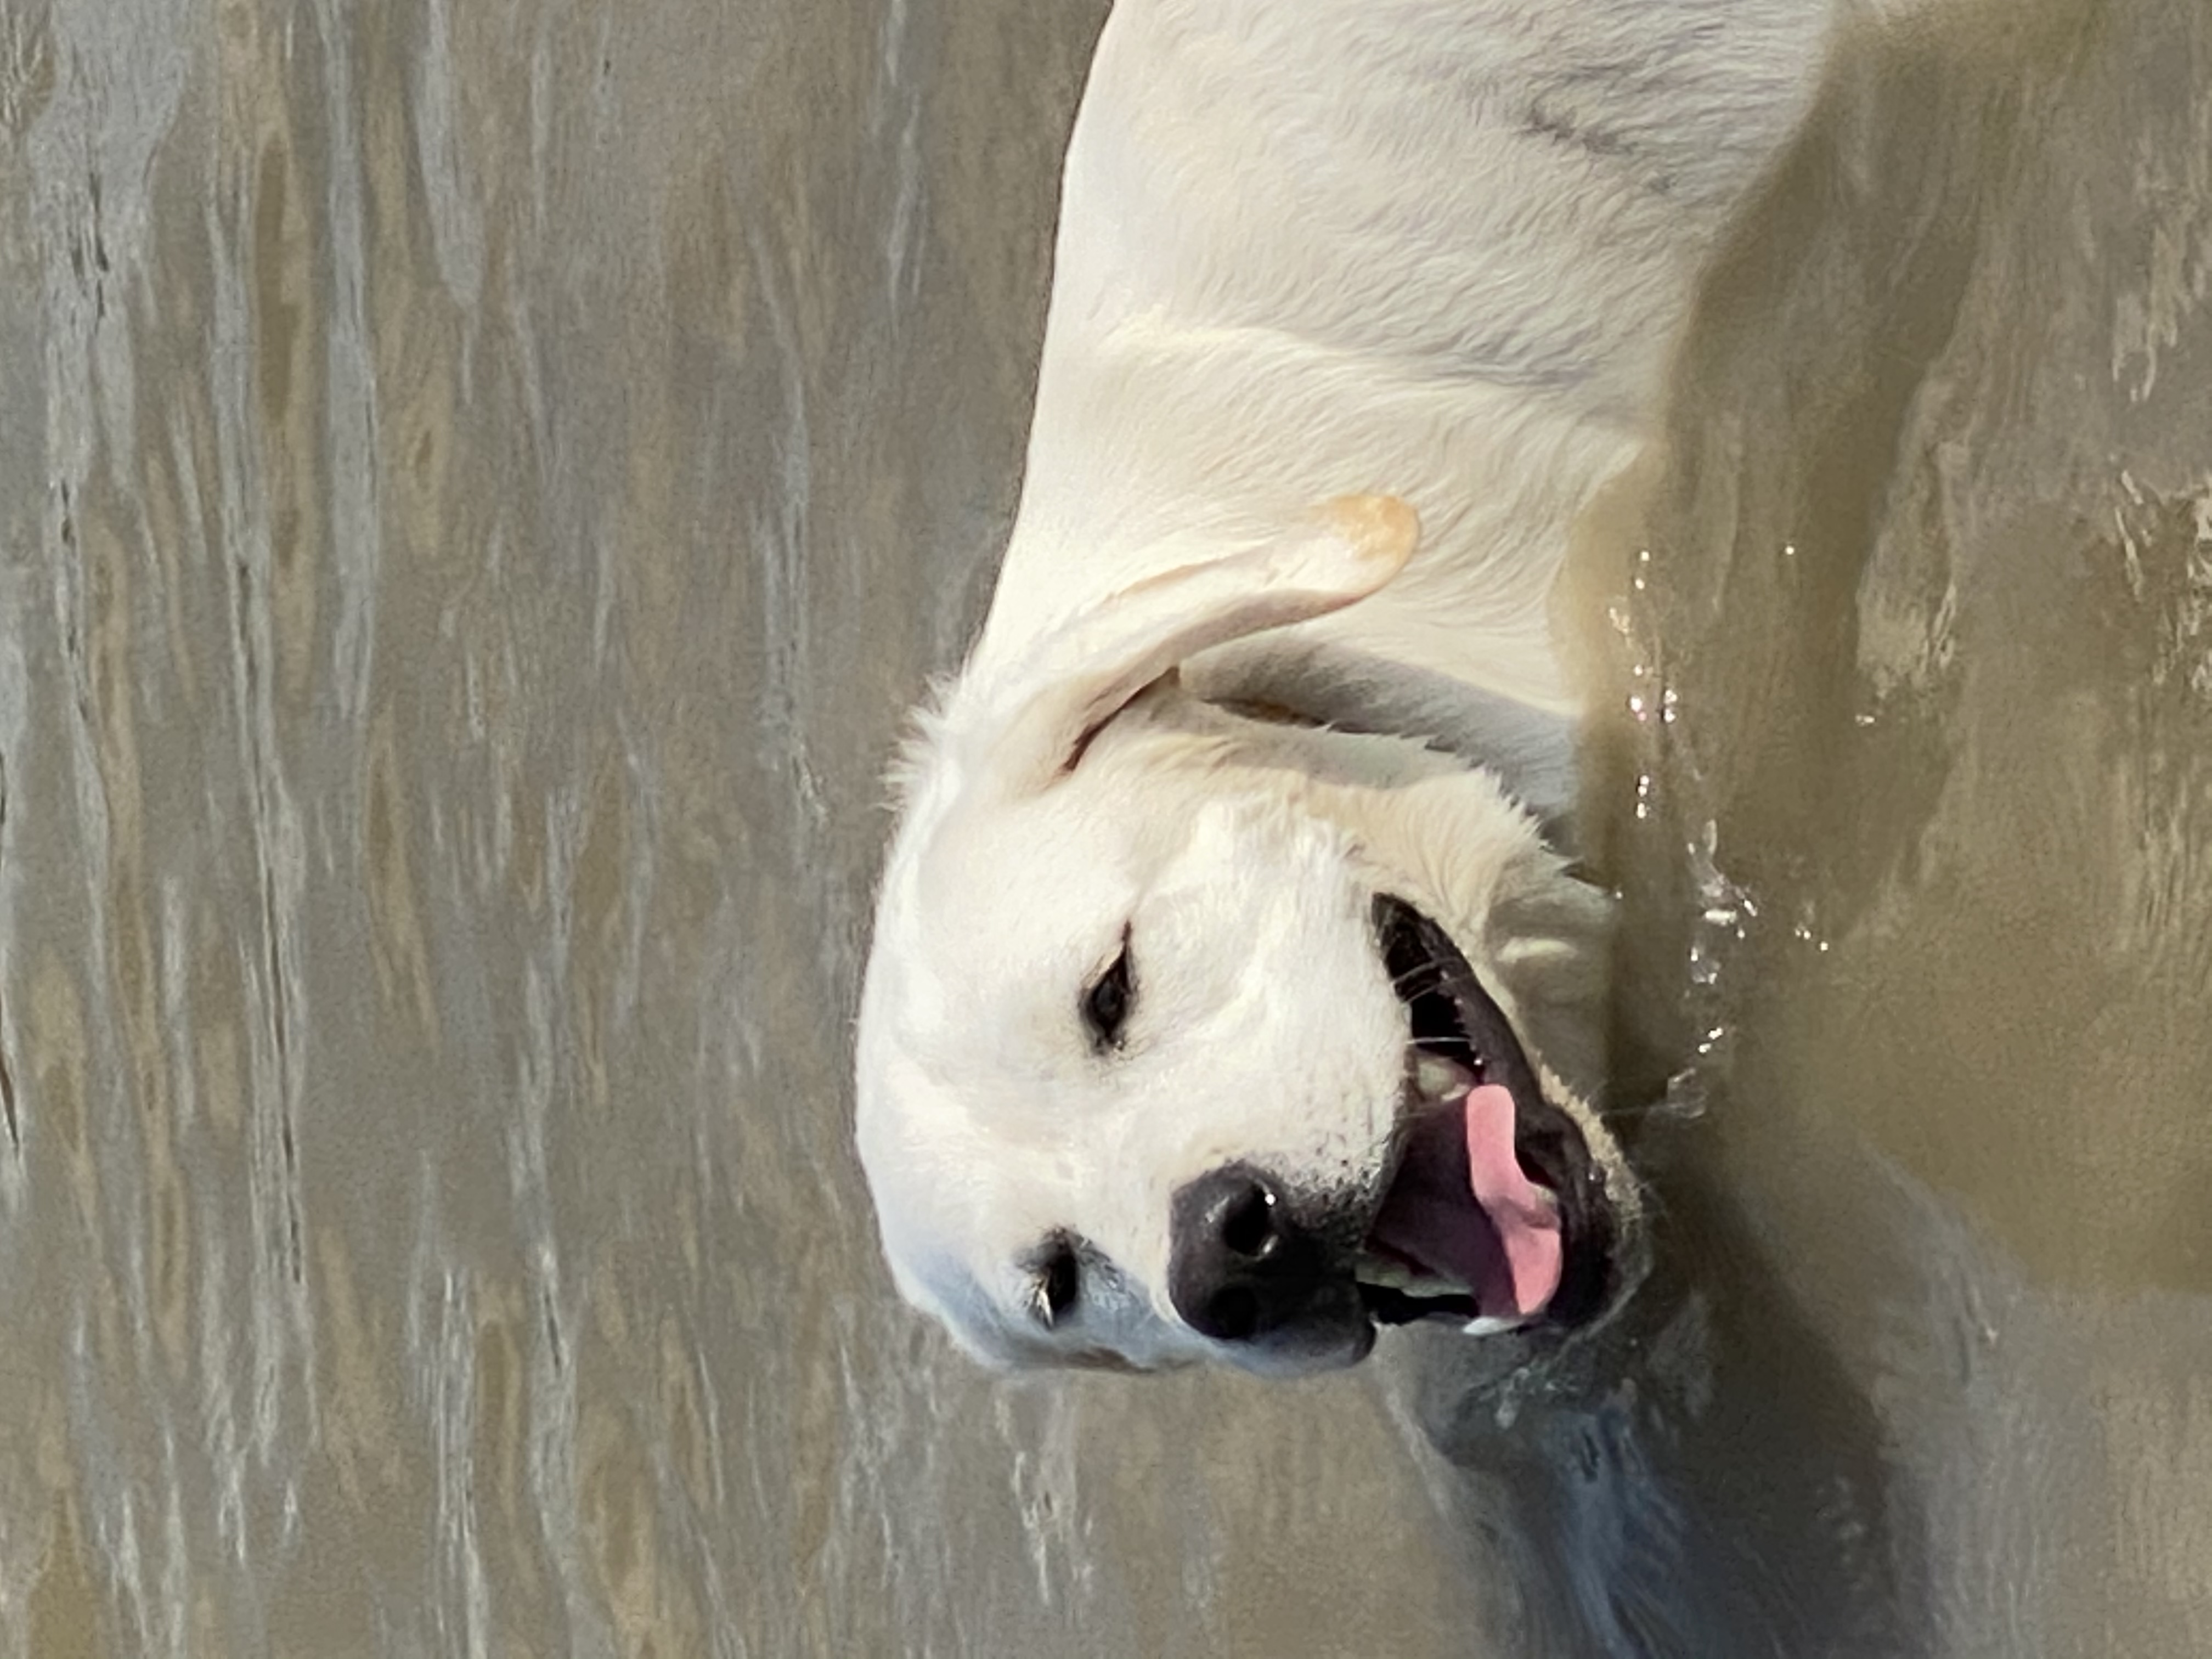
<point x="1910" y="785"/>
<point x="477" y="486"/>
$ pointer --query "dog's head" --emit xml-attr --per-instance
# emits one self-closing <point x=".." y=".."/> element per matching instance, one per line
<point x="1188" y="1037"/>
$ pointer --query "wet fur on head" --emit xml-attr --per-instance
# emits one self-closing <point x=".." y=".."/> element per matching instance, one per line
<point x="1044" y="822"/>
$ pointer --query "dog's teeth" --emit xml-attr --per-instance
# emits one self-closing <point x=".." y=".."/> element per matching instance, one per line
<point x="1438" y="1078"/>
<point x="1386" y="1275"/>
<point x="1383" y="1274"/>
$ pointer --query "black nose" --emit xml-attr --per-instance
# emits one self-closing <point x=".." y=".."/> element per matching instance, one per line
<point x="1240" y="1266"/>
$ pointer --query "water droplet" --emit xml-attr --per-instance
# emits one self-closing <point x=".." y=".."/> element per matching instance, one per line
<point x="1703" y="970"/>
<point x="1686" y="1096"/>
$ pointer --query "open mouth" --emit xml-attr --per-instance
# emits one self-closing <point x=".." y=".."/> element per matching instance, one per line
<point x="1493" y="1215"/>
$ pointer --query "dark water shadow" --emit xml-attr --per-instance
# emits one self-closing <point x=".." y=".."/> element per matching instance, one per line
<point x="1715" y="1473"/>
<point x="1707" y="1479"/>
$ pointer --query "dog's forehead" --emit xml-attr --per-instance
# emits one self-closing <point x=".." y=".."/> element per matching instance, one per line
<point x="1005" y="901"/>
<point x="988" y="1124"/>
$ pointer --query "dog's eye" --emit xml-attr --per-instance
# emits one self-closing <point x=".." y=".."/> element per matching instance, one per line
<point x="1106" y="1004"/>
<point x="1058" y="1282"/>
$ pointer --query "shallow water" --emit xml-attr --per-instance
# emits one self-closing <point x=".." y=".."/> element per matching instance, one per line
<point x="478" y="487"/>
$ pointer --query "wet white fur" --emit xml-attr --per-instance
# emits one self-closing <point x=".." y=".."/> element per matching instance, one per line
<point x="1326" y="269"/>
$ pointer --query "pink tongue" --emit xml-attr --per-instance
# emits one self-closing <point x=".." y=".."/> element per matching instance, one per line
<point x="1505" y="1246"/>
<point x="1528" y="1226"/>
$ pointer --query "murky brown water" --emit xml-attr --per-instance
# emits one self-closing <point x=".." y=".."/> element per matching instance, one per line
<point x="478" y="486"/>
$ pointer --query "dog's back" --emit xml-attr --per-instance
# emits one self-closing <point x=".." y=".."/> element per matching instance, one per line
<point x="1426" y="247"/>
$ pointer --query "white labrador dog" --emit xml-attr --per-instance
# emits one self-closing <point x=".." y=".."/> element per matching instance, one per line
<point x="1228" y="996"/>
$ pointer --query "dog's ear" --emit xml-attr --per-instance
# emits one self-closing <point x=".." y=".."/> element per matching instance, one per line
<point x="1086" y="672"/>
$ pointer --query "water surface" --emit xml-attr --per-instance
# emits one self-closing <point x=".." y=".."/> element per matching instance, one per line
<point x="478" y="487"/>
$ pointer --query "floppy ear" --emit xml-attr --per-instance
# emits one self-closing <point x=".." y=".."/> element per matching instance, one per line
<point x="1080" y="676"/>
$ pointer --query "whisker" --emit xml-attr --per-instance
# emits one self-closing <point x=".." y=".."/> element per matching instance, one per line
<point x="1419" y="970"/>
<point x="1440" y="977"/>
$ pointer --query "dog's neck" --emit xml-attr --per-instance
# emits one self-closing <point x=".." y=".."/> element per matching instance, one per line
<point x="1530" y="749"/>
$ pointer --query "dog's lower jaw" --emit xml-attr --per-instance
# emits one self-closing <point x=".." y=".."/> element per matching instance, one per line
<point x="1627" y="1248"/>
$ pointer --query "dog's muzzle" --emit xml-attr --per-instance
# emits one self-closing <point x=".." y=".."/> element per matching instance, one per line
<point x="1489" y="1211"/>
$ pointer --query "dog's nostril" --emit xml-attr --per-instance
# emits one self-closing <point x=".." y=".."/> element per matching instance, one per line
<point x="1233" y="1315"/>
<point x="1248" y="1226"/>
